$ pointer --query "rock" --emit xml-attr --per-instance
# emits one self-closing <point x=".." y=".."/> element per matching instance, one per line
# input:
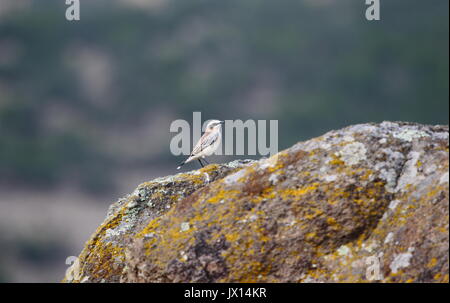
<point x="365" y="203"/>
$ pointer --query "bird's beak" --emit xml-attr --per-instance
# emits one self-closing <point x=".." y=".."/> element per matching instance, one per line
<point x="222" y="122"/>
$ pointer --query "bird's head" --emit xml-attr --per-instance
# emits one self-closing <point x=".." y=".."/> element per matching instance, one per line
<point x="214" y="125"/>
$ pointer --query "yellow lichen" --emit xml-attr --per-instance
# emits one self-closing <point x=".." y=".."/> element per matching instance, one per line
<point x="432" y="262"/>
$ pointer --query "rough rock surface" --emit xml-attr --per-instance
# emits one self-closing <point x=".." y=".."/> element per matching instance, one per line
<point x="367" y="203"/>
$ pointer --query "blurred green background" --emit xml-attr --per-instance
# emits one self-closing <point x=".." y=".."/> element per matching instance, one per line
<point x="85" y="107"/>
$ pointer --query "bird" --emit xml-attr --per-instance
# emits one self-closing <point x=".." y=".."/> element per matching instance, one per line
<point x="207" y="144"/>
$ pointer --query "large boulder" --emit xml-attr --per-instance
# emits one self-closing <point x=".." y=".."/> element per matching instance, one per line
<point x="366" y="203"/>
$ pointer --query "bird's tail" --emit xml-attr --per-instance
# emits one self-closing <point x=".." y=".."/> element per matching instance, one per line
<point x="181" y="164"/>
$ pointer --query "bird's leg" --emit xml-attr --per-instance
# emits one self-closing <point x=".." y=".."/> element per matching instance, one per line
<point x="200" y="162"/>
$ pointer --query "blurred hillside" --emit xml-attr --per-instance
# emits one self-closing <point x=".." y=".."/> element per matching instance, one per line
<point x="80" y="100"/>
<point x="87" y="105"/>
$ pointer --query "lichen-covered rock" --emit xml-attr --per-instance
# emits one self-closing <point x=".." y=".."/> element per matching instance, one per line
<point x="365" y="203"/>
<point x="103" y="258"/>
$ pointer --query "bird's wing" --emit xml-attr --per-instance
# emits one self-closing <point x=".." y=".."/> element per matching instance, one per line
<point x="206" y="140"/>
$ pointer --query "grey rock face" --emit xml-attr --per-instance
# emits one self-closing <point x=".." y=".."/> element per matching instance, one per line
<point x="365" y="203"/>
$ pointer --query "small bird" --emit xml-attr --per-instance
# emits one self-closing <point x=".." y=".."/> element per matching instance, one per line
<point x="207" y="144"/>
